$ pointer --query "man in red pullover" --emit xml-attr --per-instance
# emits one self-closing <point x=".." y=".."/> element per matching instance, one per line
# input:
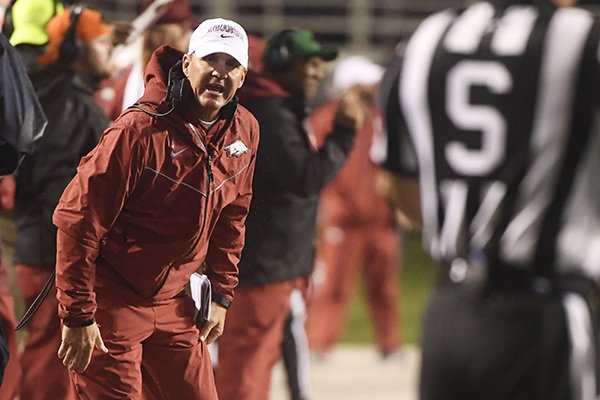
<point x="167" y="189"/>
<point x="359" y="237"/>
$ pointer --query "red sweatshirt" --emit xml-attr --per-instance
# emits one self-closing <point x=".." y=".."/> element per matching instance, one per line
<point x="148" y="206"/>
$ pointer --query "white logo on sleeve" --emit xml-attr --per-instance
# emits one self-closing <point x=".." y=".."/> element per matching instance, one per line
<point x="236" y="149"/>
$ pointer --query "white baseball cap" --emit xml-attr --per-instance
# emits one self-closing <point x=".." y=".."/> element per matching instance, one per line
<point x="356" y="70"/>
<point x="220" y="35"/>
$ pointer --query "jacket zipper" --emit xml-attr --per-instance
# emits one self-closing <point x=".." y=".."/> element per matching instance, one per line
<point x="209" y="150"/>
<point x="209" y="171"/>
<point x="202" y="227"/>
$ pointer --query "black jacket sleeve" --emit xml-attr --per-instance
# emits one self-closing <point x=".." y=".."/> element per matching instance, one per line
<point x="400" y="157"/>
<point x="286" y="162"/>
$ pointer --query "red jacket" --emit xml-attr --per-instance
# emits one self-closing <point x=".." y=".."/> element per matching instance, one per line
<point x="350" y="199"/>
<point x="142" y="212"/>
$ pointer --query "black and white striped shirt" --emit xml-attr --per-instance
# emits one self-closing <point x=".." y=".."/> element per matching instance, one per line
<point x="494" y="108"/>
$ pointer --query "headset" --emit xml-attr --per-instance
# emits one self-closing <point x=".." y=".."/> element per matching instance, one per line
<point x="179" y="88"/>
<point x="278" y="54"/>
<point x="69" y="47"/>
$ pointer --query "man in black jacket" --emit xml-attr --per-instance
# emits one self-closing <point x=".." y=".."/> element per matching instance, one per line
<point x="281" y="226"/>
<point x="76" y="59"/>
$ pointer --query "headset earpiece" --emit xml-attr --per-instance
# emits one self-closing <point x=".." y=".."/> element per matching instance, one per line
<point x="69" y="48"/>
<point x="178" y="86"/>
<point x="278" y="54"/>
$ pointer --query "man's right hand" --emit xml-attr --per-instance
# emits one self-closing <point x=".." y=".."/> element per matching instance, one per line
<point x="351" y="110"/>
<point x="78" y="344"/>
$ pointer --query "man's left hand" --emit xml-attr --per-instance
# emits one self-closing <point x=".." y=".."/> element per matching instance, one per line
<point x="213" y="328"/>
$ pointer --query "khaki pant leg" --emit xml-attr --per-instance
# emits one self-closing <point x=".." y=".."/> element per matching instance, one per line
<point x="176" y="364"/>
<point x="251" y="343"/>
<point x="381" y="285"/>
<point x="124" y="327"/>
<point x="341" y="252"/>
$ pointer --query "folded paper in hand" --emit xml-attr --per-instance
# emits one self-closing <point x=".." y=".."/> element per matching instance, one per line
<point x="201" y="293"/>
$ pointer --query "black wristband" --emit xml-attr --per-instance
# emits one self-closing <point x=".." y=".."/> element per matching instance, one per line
<point x="220" y="299"/>
<point x="79" y="324"/>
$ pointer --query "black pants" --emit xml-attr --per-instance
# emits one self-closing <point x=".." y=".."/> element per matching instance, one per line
<point x="505" y="347"/>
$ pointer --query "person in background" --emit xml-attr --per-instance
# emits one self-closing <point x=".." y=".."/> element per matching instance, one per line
<point x="281" y="226"/>
<point x="166" y="190"/>
<point x="74" y="61"/>
<point x="22" y="122"/>
<point x="359" y="239"/>
<point x="27" y="28"/>
<point x="173" y="27"/>
<point x="493" y="150"/>
<point x="294" y="346"/>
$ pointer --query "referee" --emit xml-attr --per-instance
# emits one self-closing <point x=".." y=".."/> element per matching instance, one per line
<point x="492" y="135"/>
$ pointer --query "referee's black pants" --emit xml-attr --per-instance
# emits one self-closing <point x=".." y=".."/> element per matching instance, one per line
<point x="504" y="347"/>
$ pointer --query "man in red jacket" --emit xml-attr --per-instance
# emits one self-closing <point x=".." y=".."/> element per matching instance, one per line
<point x="359" y="237"/>
<point x="167" y="189"/>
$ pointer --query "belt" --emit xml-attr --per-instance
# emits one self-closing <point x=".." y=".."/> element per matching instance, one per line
<point x="481" y="279"/>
